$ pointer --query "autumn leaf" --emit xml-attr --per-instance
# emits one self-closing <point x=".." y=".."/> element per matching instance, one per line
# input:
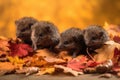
<point x="64" y="55"/>
<point x="113" y="30"/>
<point x="27" y="70"/>
<point x="81" y="62"/>
<point x="116" y="39"/>
<point x="68" y="70"/>
<point x="54" y="60"/>
<point x="48" y="70"/>
<point x="6" y="67"/>
<point x="20" y="49"/>
<point x="16" y="61"/>
<point x="77" y="64"/>
<point x="116" y="60"/>
<point x="45" y="53"/>
<point x="4" y="46"/>
<point x="38" y="61"/>
<point x="92" y="63"/>
<point x="109" y="51"/>
<point x="45" y="58"/>
<point x="41" y="61"/>
<point x="106" y="52"/>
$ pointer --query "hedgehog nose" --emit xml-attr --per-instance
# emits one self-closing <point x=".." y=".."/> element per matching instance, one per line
<point x="56" y="41"/>
<point x="59" y="46"/>
<point x="19" y="36"/>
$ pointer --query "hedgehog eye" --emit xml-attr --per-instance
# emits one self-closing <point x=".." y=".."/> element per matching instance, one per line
<point x="30" y="25"/>
<point x="23" y="30"/>
<point x="41" y="35"/>
<point x="66" y="42"/>
<point x="94" y="38"/>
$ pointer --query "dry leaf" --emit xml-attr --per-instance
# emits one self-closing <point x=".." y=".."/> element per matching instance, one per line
<point x="64" y="55"/>
<point x="116" y="39"/>
<point x="18" y="63"/>
<point x="106" y="52"/>
<point x="54" y="60"/>
<point x="38" y="61"/>
<point x="48" y="70"/>
<point x="20" y="49"/>
<point x="46" y="61"/>
<point x="44" y="53"/>
<point x="28" y="70"/>
<point x="113" y="30"/>
<point x="4" y="46"/>
<point x="68" y="70"/>
<point x="45" y="58"/>
<point x="78" y="63"/>
<point x="15" y="60"/>
<point x="6" y="67"/>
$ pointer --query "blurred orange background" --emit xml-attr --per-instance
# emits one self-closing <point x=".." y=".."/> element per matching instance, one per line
<point x="63" y="13"/>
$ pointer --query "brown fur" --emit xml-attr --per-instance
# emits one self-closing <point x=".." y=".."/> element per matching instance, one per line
<point x="24" y="28"/>
<point x="72" y="41"/>
<point x="44" y="35"/>
<point x="95" y="36"/>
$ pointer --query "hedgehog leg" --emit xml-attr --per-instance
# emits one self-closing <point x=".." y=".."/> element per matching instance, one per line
<point x="74" y="55"/>
<point x="34" y="46"/>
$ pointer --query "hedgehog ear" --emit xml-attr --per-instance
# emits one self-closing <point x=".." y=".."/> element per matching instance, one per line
<point x="30" y="25"/>
<point x="101" y="33"/>
<point x="75" y="39"/>
<point x="83" y="31"/>
<point x="47" y="28"/>
<point x="16" y="22"/>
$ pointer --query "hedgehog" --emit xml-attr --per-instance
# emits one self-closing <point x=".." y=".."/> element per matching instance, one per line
<point x="23" y="29"/>
<point x="72" y="41"/>
<point x="45" y="35"/>
<point x="95" y="36"/>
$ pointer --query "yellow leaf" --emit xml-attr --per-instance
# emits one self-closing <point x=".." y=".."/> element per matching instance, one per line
<point x="15" y="60"/>
<point x="106" y="52"/>
<point x="18" y="63"/>
<point x="48" y="70"/>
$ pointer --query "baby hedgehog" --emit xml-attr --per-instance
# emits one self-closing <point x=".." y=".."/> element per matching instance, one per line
<point x="44" y="35"/>
<point x="72" y="41"/>
<point x="95" y="36"/>
<point x="24" y="29"/>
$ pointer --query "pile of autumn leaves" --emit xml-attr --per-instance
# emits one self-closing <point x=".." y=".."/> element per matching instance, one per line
<point x="17" y="57"/>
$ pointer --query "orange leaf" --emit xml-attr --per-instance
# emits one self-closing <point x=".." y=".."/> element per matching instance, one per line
<point x="6" y="67"/>
<point x="4" y="46"/>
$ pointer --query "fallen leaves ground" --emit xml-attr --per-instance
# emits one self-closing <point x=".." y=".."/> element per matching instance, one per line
<point x="17" y="57"/>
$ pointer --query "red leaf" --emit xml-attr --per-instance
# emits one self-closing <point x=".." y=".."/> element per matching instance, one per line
<point x="20" y="49"/>
<point x="91" y="63"/>
<point x="116" y="39"/>
<point x="116" y="52"/>
<point x="116" y="67"/>
<point x="77" y="64"/>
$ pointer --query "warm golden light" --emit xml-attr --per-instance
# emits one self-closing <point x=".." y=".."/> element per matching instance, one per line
<point x="64" y="13"/>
